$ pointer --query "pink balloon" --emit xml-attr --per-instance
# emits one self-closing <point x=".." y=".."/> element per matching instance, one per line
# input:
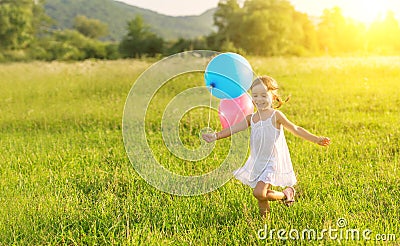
<point x="232" y="111"/>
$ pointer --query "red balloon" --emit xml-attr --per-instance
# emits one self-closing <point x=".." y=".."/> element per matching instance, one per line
<point x="232" y="111"/>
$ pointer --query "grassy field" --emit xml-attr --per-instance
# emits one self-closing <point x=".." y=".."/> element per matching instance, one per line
<point x="65" y="177"/>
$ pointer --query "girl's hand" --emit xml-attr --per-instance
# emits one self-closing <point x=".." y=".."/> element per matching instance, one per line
<point x="323" y="141"/>
<point x="209" y="137"/>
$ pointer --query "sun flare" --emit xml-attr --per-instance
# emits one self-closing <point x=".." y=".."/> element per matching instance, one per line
<point x="368" y="11"/>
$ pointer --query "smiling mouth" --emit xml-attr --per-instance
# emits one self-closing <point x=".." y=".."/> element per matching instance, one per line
<point x="261" y="106"/>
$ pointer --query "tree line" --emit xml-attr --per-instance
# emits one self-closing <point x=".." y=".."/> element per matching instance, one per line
<point x="258" y="27"/>
<point x="274" y="27"/>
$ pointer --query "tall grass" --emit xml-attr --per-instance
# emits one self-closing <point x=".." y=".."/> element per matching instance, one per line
<point x="65" y="177"/>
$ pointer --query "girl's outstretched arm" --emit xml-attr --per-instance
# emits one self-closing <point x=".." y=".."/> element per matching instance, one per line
<point x="300" y="131"/>
<point x="243" y="125"/>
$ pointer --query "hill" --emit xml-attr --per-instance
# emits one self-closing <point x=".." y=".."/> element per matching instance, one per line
<point x="117" y="14"/>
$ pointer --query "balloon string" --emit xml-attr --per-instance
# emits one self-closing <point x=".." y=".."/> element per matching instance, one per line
<point x="209" y="109"/>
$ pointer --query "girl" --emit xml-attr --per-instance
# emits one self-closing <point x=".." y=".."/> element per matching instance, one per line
<point x="269" y="163"/>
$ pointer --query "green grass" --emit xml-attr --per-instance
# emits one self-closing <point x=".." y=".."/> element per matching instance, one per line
<point x="65" y="177"/>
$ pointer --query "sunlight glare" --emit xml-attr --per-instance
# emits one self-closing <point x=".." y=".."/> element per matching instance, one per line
<point x="368" y="11"/>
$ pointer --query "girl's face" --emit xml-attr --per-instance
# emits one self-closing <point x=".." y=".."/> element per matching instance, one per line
<point x="261" y="98"/>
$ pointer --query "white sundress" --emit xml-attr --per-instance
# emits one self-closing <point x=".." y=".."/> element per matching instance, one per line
<point x="269" y="159"/>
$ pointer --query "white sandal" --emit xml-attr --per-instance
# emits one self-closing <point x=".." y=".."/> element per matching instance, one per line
<point x="289" y="196"/>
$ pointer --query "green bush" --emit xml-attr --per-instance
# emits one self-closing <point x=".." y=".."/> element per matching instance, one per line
<point x="13" y="55"/>
<point x="71" y="45"/>
<point x="112" y="51"/>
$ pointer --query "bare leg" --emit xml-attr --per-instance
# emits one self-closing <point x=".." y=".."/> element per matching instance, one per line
<point x="263" y="194"/>
<point x="263" y="207"/>
<point x="274" y="195"/>
<point x="260" y="193"/>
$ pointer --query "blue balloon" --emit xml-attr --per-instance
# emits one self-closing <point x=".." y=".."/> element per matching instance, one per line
<point x="228" y="76"/>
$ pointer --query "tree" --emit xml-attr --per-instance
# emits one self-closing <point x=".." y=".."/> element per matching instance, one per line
<point x="72" y="45"/>
<point x="140" y="40"/>
<point x="337" y="34"/>
<point x="268" y="26"/>
<point x="16" y="30"/>
<point x="90" y="28"/>
<point x="384" y="35"/>
<point x="263" y="27"/>
<point x="330" y="30"/>
<point x="153" y="45"/>
<point x="303" y="35"/>
<point x="227" y="19"/>
<point x="41" y="22"/>
<point x="186" y="44"/>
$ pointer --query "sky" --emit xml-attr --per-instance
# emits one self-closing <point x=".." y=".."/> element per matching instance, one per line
<point x="362" y="10"/>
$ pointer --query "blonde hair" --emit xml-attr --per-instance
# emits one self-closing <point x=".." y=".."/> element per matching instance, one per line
<point x="272" y="86"/>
